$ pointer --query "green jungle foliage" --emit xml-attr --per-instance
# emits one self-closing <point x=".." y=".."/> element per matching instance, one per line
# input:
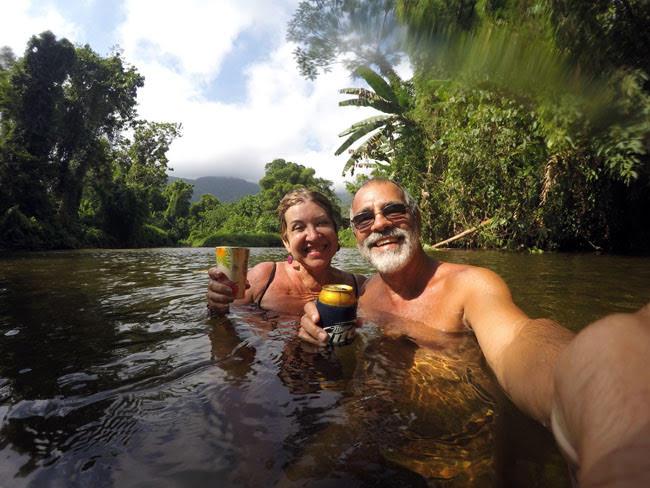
<point x="535" y="113"/>
<point x="71" y="178"/>
<point x="532" y="113"/>
<point x="68" y="176"/>
<point x="346" y="238"/>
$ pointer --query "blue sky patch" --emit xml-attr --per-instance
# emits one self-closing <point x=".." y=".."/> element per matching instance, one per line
<point x="230" y="86"/>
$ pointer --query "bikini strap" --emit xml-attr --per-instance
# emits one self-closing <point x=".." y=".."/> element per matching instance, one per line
<point x="271" y="276"/>
<point x="356" y="286"/>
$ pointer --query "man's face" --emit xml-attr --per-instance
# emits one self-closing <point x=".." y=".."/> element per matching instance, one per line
<point x="386" y="232"/>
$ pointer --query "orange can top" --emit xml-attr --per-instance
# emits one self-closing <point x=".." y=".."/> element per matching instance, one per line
<point x="338" y="295"/>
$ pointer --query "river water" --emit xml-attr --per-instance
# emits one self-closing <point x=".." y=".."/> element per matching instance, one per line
<point x="111" y="374"/>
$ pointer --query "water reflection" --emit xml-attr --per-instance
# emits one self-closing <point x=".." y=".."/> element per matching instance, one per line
<point x="411" y="409"/>
<point x="111" y="374"/>
<point x="416" y="414"/>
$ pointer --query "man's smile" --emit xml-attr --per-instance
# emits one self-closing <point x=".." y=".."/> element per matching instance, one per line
<point x="389" y="241"/>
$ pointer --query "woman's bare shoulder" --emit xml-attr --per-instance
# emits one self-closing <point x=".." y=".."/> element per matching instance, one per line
<point x="260" y="274"/>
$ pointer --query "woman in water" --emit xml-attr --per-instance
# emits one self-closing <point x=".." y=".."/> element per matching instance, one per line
<point x="310" y="235"/>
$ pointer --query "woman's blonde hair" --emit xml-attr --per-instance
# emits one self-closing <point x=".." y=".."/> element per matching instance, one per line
<point x="302" y="195"/>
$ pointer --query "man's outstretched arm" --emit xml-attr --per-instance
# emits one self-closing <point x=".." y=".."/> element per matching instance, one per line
<point x="521" y="351"/>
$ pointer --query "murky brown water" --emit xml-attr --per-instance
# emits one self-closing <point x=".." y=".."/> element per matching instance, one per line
<point x="111" y="374"/>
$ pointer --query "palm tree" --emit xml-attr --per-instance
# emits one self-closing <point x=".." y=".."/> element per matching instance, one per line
<point x="393" y="99"/>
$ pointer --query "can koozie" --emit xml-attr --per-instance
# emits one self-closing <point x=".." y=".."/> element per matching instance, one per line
<point x="233" y="262"/>
<point x="337" y="307"/>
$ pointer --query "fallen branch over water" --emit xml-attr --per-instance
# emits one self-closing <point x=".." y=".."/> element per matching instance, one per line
<point x="462" y="234"/>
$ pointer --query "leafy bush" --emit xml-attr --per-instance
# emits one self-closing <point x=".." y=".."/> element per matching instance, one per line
<point x="17" y="231"/>
<point x="346" y="238"/>
<point x="152" y="236"/>
<point x="93" y="237"/>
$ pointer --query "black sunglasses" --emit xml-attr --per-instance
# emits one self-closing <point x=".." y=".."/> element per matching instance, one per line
<point x="392" y="211"/>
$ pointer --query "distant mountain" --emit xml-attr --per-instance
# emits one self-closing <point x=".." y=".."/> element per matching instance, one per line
<point x="227" y="189"/>
<point x="345" y="197"/>
<point x="224" y="189"/>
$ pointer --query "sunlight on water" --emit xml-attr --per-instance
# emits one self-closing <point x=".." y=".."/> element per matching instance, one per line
<point x="111" y="374"/>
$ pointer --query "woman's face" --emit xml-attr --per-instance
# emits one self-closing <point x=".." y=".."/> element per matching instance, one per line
<point x="311" y="238"/>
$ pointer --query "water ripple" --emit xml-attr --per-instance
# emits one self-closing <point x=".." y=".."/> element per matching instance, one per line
<point x="111" y="374"/>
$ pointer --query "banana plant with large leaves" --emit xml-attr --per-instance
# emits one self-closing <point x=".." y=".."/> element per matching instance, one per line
<point x="393" y="99"/>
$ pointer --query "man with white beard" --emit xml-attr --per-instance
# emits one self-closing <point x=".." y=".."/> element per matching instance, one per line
<point x="522" y="352"/>
<point x="436" y="296"/>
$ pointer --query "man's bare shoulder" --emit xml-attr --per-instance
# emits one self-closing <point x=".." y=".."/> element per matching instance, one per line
<point x="462" y="271"/>
<point x="453" y="269"/>
<point x="470" y="277"/>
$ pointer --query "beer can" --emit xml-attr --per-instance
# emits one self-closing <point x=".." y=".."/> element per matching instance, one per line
<point x="337" y="307"/>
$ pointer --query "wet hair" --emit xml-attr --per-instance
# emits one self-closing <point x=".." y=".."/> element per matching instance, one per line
<point x="409" y="201"/>
<point x="302" y="195"/>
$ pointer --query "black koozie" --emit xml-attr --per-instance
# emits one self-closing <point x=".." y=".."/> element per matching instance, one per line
<point x="338" y="321"/>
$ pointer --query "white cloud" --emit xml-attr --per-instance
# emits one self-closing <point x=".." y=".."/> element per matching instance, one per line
<point x="283" y="115"/>
<point x="20" y="21"/>
<point x="197" y="34"/>
<point x="180" y="48"/>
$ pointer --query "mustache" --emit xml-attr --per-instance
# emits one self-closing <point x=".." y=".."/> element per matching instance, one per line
<point x="378" y="235"/>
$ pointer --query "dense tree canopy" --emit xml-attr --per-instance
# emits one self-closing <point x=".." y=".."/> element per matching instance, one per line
<point x="355" y="32"/>
<point x="61" y="107"/>
<point x="533" y="113"/>
<point x="283" y="176"/>
<point x="78" y="168"/>
<point x="602" y="34"/>
<point x="68" y="176"/>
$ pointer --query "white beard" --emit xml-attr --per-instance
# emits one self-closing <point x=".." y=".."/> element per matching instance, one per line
<point x="390" y="260"/>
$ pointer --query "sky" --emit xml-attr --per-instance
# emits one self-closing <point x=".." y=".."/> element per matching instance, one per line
<point x="222" y="68"/>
